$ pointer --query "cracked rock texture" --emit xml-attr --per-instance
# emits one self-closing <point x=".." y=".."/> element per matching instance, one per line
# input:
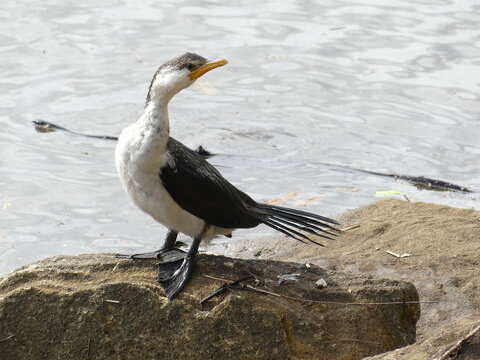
<point x="99" y="307"/>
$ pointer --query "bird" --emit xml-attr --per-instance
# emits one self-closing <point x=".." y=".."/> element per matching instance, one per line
<point x="181" y="190"/>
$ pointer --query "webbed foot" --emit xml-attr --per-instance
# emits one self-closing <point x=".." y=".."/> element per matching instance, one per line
<point x="174" y="282"/>
<point x="169" y="245"/>
<point x="163" y="255"/>
<point x="143" y="256"/>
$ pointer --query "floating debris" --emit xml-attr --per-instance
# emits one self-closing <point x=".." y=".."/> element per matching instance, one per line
<point x="386" y="193"/>
<point x="282" y="199"/>
<point x="421" y="182"/>
<point x="46" y="126"/>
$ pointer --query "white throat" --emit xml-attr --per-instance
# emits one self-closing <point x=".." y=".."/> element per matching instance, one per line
<point x="155" y="116"/>
<point x="143" y="144"/>
<point x="164" y="87"/>
<point x="166" y="84"/>
<point x="145" y="141"/>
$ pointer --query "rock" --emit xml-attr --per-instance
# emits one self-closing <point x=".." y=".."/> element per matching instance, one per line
<point x="440" y="341"/>
<point x="444" y="243"/>
<point x="98" y="307"/>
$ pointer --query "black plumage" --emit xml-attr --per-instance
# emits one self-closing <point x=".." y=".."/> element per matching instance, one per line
<point x="198" y="187"/>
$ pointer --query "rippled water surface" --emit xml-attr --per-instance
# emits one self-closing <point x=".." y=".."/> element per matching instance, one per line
<point x="381" y="85"/>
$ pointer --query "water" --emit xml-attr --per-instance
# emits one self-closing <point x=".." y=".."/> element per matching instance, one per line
<point x="381" y="85"/>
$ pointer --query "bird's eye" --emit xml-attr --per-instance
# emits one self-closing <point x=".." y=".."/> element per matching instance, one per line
<point x="190" y="66"/>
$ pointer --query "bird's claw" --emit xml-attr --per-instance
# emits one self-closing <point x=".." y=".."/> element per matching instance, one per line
<point x="174" y="281"/>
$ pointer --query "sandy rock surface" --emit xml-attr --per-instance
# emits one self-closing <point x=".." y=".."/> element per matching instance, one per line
<point x="443" y="244"/>
<point x="99" y="307"/>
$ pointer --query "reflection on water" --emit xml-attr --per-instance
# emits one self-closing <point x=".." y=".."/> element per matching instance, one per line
<point x="384" y="87"/>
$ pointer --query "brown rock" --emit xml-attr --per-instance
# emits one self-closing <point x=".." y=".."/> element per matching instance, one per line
<point x="447" y="342"/>
<point x="98" y="307"/>
<point x="444" y="266"/>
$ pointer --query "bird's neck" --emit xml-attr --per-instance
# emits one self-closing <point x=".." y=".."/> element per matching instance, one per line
<point x="153" y="133"/>
<point x="155" y="120"/>
<point x="155" y="114"/>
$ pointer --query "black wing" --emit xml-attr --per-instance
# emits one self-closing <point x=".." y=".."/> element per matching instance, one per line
<point x="200" y="189"/>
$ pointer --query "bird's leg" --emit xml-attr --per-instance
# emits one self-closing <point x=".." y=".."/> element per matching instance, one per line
<point x="175" y="282"/>
<point x="170" y="239"/>
<point x="167" y="253"/>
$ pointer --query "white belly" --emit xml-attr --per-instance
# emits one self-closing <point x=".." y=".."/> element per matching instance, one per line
<point x="139" y="164"/>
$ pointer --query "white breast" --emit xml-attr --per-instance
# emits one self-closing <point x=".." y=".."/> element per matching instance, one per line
<point x="139" y="164"/>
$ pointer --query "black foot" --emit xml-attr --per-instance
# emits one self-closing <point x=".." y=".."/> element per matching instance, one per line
<point x="164" y="255"/>
<point x="168" y="245"/>
<point x="171" y="256"/>
<point x="143" y="256"/>
<point x="174" y="282"/>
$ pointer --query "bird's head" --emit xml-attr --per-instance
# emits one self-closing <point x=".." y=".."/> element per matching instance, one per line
<point x="178" y="74"/>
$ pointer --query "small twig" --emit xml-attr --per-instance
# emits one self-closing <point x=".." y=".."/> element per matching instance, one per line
<point x="89" y="347"/>
<point x="267" y="292"/>
<point x="337" y="302"/>
<point x="115" y="267"/>
<point x="398" y="255"/>
<point x="112" y="301"/>
<point x="350" y="340"/>
<point x="224" y="287"/>
<point x="216" y="278"/>
<point x="7" y="338"/>
<point x="250" y="287"/>
<point x="392" y="253"/>
<point x="406" y="197"/>
<point x="458" y="344"/>
<point x="354" y="226"/>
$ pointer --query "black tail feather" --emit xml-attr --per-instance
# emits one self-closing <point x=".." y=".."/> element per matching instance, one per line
<point x="290" y="222"/>
<point x="317" y="226"/>
<point x="287" y="228"/>
<point x="273" y="226"/>
<point x="304" y="213"/>
<point x="310" y="229"/>
<point x="301" y="217"/>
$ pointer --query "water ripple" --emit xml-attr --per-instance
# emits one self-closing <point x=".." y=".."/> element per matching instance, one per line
<point x="373" y="84"/>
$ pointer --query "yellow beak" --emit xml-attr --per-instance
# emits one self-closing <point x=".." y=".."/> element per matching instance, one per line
<point x="195" y="74"/>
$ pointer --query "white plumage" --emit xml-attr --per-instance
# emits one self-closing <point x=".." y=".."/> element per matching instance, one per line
<point x="140" y="154"/>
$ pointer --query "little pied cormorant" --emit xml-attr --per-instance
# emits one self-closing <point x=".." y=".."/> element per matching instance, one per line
<point x="183" y="191"/>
